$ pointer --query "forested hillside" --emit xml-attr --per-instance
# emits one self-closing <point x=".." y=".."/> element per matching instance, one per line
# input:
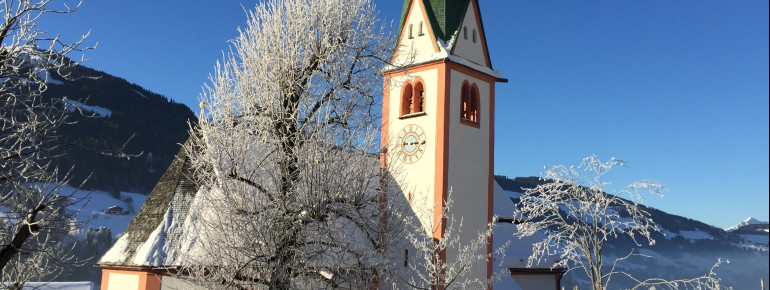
<point x="112" y="112"/>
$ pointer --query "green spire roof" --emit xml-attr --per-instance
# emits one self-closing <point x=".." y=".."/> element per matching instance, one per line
<point x="445" y="16"/>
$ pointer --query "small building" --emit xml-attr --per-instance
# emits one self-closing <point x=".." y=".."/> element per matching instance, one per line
<point x="115" y="210"/>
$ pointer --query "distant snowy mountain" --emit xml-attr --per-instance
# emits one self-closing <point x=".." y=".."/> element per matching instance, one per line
<point x="748" y="221"/>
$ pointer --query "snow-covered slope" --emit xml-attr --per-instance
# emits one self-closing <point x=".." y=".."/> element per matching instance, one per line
<point x="78" y="106"/>
<point x="95" y="212"/>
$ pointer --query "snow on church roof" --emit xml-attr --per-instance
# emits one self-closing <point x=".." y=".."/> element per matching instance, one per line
<point x="147" y="242"/>
<point x="154" y="221"/>
<point x="503" y="205"/>
<point x="167" y="229"/>
<point x="444" y="49"/>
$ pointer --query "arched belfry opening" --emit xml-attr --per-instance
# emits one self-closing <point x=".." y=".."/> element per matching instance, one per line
<point x="412" y="97"/>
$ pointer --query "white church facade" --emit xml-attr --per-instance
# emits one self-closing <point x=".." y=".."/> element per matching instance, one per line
<point x="438" y="131"/>
<point x="439" y="94"/>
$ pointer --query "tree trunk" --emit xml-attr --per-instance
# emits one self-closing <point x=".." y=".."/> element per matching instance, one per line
<point x="288" y="132"/>
<point x="25" y="231"/>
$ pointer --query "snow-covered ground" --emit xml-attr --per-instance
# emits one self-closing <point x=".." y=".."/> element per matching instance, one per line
<point x="100" y="111"/>
<point x="139" y="93"/>
<point x="755" y="242"/>
<point x="691" y="236"/>
<point x="756" y="239"/>
<point x="695" y="235"/>
<point x="44" y="75"/>
<point x="657" y="257"/>
<point x="59" y="286"/>
<point x="95" y="210"/>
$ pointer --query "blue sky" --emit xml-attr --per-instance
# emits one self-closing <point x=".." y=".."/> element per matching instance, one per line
<point x="679" y="89"/>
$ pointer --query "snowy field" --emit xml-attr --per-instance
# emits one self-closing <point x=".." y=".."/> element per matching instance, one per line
<point x="99" y="111"/>
<point x="94" y="210"/>
<point x="59" y="286"/>
<point x="756" y="239"/>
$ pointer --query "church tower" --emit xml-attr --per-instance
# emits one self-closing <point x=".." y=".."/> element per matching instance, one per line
<point x="438" y="116"/>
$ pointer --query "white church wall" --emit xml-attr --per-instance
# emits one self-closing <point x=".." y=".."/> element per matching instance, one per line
<point x="418" y="177"/>
<point x="465" y="47"/>
<point x="418" y="46"/>
<point x="469" y="166"/>
<point x="120" y="281"/>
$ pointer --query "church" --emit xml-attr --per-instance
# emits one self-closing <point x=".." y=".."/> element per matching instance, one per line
<point x="438" y="130"/>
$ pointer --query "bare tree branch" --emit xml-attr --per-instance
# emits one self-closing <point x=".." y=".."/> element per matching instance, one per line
<point x="34" y="220"/>
<point x="291" y="190"/>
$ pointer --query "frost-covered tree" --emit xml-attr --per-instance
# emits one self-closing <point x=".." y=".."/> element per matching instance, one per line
<point x="578" y="217"/>
<point x="33" y="209"/>
<point x="286" y="152"/>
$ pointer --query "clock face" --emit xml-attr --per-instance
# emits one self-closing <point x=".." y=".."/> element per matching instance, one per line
<point x="411" y="143"/>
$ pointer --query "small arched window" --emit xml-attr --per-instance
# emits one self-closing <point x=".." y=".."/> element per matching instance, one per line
<point x="419" y="30"/>
<point x="474" y="36"/>
<point x="469" y="104"/>
<point x="413" y="97"/>
<point x="474" y="106"/>
<point x="410" y="31"/>
<point x="418" y="104"/>
<point x="406" y="99"/>
<point x="465" y="101"/>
